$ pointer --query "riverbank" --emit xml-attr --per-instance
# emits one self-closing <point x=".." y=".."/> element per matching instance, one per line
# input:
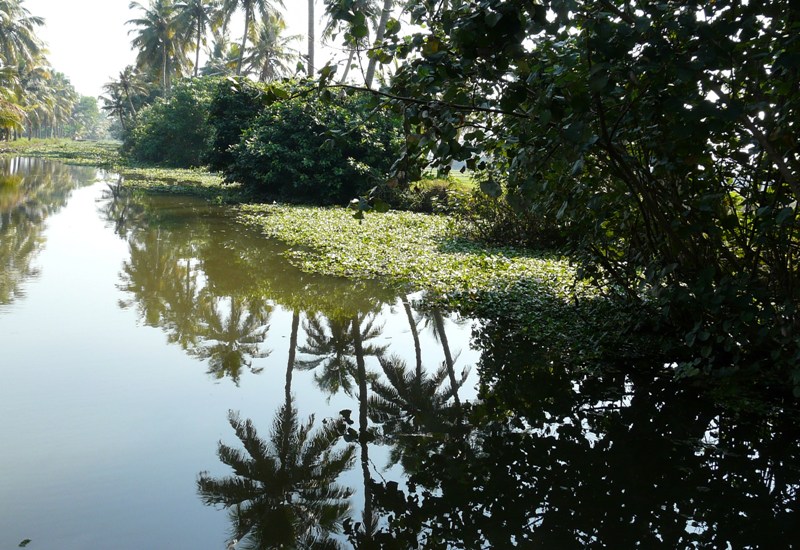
<point x="536" y="293"/>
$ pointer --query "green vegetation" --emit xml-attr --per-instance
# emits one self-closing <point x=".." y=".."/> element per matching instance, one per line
<point x="174" y="132"/>
<point x="654" y="145"/>
<point x="35" y="99"/>
<point x="104" y="154"/>
<point x="421" y="251"/>
<point x="319" y="152"/>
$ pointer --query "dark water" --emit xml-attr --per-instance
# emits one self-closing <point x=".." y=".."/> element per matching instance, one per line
<point x="130" y="326"/>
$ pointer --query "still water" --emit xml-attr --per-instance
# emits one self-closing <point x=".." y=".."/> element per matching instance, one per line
<point x="129" y="327"/>
<point x="152" y="348"/>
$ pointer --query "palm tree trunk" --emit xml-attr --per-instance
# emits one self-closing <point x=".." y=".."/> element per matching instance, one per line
<point x="438" y="319"/>
<point x="197" y="51"/>
<point x="387" y="10"/>
<point x="130" y="103"/>
<point x="164" y="72"/>
<point x="292" y="355"/>
<point x="415" y="335"/>
<point x="311" y="38"/>
<point x="244" y="41"/>
<point x="367" y="519"/>
<point x="347" y="67"/>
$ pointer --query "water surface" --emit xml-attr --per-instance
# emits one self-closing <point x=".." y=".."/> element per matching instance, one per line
<point x="131" y="326"/>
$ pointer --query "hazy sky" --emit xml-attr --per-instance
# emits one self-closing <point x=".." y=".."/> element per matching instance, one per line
<point x="88" y="40"/>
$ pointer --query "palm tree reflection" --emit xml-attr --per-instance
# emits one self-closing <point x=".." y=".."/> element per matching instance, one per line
<point x="283" y="493"/>
<point x="231" y="339"/>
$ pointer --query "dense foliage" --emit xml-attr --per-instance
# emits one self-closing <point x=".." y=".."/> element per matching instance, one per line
<point x="174" y="132"/>
<point x="236" y="102"/>
<point x="304" y="149"/>
<point x="659" y="139"/>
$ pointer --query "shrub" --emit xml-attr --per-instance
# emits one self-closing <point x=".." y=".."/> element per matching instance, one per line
<point x="175" y="131"/>
<point x="235" y="103"/>
<point x="305" y="149"/>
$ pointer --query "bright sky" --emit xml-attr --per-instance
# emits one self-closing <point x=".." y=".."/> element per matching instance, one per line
<point x="88" y="40"/>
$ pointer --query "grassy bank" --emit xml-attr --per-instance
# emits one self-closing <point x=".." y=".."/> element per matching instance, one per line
<point x="535" y="291"/>
<point x="106" y="155"/>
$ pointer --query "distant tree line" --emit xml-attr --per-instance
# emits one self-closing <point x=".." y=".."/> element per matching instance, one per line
<point x="35" y="99"/>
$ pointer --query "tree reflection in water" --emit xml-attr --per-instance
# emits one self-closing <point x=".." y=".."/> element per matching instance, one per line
<point x="283" y="493"/>
<point x="550" y="455"/>
<point x="558" y="457"/>
<point x="554" y="456"/>
<point x="31" y="190"/>
<point x="168" y="281"/>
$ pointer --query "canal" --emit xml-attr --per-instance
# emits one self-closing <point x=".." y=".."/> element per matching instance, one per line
<point x="161" y="363"/>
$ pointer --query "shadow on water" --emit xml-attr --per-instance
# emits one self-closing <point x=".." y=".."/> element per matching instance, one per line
<point x="615" y="454"/>
<point x="31" y="190"/>
<point x="547" y="457"/>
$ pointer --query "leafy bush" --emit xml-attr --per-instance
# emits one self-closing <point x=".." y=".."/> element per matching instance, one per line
<point x="427" y="196"/>
<point x="175" y="131"/>
<point x="236" y="102"/>
<point x="309" y="150"/>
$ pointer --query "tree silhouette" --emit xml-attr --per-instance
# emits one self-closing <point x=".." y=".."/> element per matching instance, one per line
<point x="283" y="493"/>
<point x="231" y="339"/>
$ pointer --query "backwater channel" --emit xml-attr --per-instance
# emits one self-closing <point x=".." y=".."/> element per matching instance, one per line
<point x="137" y="330"/>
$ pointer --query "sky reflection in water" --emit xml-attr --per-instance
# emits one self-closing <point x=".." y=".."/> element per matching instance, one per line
<point x="130" y="326"/>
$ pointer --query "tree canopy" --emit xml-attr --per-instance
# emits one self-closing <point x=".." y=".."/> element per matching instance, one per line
<point x="658" y="139"/>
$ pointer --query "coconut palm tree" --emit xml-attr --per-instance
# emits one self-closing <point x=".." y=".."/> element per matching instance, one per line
<point x="65" y="99"/>
<point x="195" y="17"/>
<point x="386" y="11"/>
<point x="434" y="319"/>
<point x="11" y="116"/>
<point x="270" y="56"/>
<point x="18" y="40"/>
<point x="369" y="521"/>
<point x="334" y="25"/>
<point x="131" y="85"/>
<point x="250" y="7"/>
<point x="223" y="57"/>
<point x="161" y="44"/>
<point x="342" y="355"/>
<point x="33" y="91"/>
<point x="114" y="102"/>
<point x="283" y="492"/>
<point x="331" y="341"/>
<point x="410" y="405"/>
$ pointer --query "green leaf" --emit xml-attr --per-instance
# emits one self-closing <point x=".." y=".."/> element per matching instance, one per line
<point x="492" y="188"/>
<point x="380" y="206"/>
<point x="598" y="81"/>
<point x="392" y="27"/>
<point x="784" y="214"/>
<point x="492" y="18"/>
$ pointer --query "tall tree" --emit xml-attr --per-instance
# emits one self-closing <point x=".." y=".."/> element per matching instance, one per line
<point x="131" y="85"/>
<point x="250" y="7"/>
<point x="311" y="38"/>
<point x="162" y="47"/>
<point x="114" y="103"/>
<point x="196" y="17"/>
<point x="353" y="19"/>
<point x="379" y="34"/>
<point x="18" y="40"/>
<point x="270" y="55"/>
